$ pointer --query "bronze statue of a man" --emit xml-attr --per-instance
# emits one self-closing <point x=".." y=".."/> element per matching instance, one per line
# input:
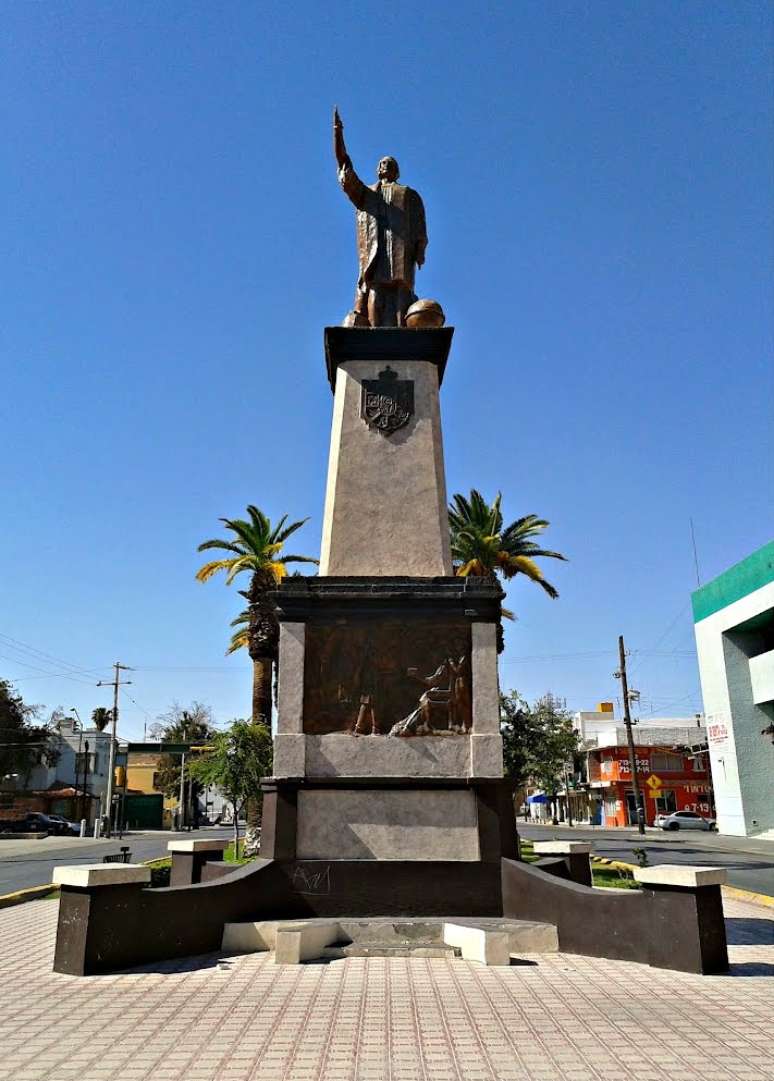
<point x="391" y="238"/>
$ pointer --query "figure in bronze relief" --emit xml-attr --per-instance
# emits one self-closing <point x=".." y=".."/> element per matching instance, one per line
<point x="369" y="678"/>
<point x="391" y="239"/>
<point x="443" y="707"/>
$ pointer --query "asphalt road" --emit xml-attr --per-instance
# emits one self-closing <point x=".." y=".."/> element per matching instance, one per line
<point x="750" y="863"/>
<point x="31" y="862"/>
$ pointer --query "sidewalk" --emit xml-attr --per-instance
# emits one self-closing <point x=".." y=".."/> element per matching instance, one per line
<point x="241" y="1018"/>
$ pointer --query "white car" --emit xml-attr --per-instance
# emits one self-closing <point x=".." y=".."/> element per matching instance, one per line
<point x="684" y="820"/>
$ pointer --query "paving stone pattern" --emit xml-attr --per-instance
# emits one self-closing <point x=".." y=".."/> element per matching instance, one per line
<point x="373" y="1019"/>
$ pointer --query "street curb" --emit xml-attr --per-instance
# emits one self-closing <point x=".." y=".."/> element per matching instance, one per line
<point x="617" y="865"/>
<point x="32" y="893"/>
<point x="737" y="894"/>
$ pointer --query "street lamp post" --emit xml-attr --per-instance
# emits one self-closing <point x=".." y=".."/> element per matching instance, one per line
<point x="78" y="794"/>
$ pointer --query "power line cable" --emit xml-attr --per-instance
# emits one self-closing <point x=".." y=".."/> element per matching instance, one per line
<point x="665" y="635"/>
<point x="45" y="672"/>
<point x="16" y="644"/>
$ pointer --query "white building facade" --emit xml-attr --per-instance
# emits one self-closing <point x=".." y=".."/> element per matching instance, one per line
<point x="734" y="626"/>
<point x="82" y="762"/>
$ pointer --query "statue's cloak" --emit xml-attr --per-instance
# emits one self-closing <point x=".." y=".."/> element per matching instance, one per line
<point x="390" y="224"/>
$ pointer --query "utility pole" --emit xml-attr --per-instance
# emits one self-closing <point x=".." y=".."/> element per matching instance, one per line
<point x="115" y="683"/>
<point x="621" y="674"/>
<point x="85" y="777"/>
<point x="567" y="790"/>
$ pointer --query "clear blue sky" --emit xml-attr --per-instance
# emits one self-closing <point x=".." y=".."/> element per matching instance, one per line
<point x="597" y="178"/>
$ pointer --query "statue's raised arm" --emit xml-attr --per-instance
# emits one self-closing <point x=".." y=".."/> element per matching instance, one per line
<point x="351" y="183"/>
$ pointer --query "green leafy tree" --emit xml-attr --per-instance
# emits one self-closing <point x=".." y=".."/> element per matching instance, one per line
<point x="539" y="741"/>
<point x="520" y="733"/>
<point x="557" y="744"/>
<point x="255" y="549"/>
<point x="23" y="745"/>
<point x="235" y="762"/>
<point x="178" y="725"/>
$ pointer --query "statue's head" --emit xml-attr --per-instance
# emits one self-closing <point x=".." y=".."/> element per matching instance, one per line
<point x="387" y="169"/>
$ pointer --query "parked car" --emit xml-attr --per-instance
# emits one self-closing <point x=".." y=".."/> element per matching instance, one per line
<point x="685" y="820"/>
<point x="33" y="822"/>
<point x="64" y="825"/>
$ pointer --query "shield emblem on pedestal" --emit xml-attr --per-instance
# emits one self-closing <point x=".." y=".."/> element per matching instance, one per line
<point x="387" y="403"/>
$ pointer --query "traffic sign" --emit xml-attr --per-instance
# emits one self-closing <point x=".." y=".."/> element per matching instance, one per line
<point x="653" y="782"/>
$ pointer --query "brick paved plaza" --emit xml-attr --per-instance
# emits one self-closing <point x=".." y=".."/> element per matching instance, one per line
<point x="235" y="1018"/>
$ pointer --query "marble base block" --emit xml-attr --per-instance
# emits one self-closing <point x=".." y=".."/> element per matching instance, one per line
<point x="341" y="755"/>
<point x="374" y="824"/>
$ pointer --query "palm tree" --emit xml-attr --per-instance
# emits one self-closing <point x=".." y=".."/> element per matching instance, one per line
<point x="255" y="548"/>
<point x="482" y="547"/>
<point x="101" y="717"/>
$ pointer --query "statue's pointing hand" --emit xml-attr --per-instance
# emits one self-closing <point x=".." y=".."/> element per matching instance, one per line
<point x="339" y="149"/>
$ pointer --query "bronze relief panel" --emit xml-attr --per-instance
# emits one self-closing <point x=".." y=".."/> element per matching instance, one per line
<point x="388" y="679"/>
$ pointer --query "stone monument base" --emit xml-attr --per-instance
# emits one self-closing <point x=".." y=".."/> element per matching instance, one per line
<point x="368" y="846"/>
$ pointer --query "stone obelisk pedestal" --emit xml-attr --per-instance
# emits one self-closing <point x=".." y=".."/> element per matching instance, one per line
<point x="388" y="794"/>
<point x="385" y="503"/>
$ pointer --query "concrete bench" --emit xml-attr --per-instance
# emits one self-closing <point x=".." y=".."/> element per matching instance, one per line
<point x="90" y="875"/>
<point x="681" y="876"/>
<point x="189" y="856"/>
<point x="574" y="855"/>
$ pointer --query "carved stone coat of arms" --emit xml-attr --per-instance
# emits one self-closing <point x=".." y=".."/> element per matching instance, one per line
<point x="387" y="403"/>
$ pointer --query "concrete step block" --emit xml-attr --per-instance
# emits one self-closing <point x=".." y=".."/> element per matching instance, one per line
<point x="528" y="937"/>
<point x="297" y="942"/>
<point x="376" y="949"/>
<point x="489" y="947"/>
<point x="249" y="937"/>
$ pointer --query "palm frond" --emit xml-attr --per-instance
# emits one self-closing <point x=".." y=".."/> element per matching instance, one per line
<point x="472" y="567"/>
<point x="245" y="563"/>
<point x="209" y="569"/>
<point x="524" y="565"/>
<point x="227" y="546"/>
<point x="240" y="640"/>
<point x="282" y="534"/>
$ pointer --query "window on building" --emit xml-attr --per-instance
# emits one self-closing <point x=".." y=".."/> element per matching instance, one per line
<point x="666" y="804"/>
<point x="666" y="763"/>
<point x="607" y="764"/>
<point x="157" y="780"/>
<point x="87" y="762"/>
